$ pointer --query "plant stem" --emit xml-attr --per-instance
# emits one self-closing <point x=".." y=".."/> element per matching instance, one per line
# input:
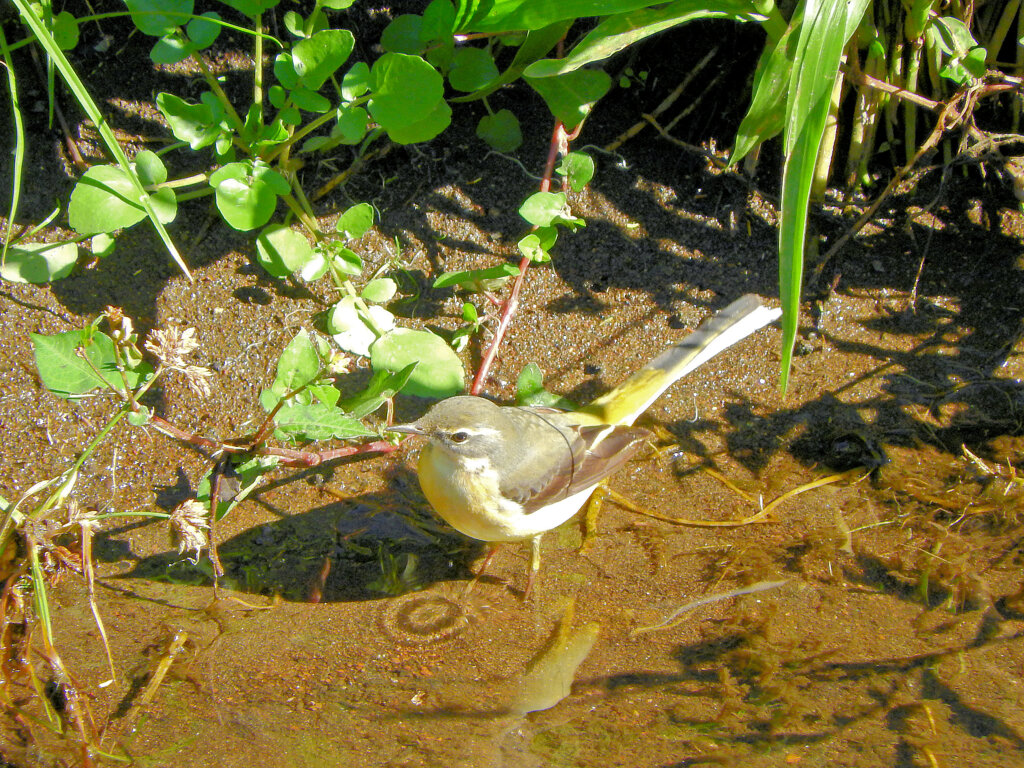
<point x="559" y="141"/>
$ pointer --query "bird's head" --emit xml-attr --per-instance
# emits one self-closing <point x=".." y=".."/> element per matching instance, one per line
<point x="464" y="426"/>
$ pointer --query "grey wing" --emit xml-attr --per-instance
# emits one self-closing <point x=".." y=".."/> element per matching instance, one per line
<point x="584" y="456"/>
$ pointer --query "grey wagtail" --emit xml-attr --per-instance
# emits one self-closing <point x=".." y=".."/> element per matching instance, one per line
<point x="505" y="473"/>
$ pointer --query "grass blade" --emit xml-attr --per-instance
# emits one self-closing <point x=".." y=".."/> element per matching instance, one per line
<point x="19" y="144"/>
<point x="85" y="100"/>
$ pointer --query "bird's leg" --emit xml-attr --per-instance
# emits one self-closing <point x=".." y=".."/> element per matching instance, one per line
<point x="482" y="569"/>
<point x="593" y="509"/>
<point x="534" y="564"/>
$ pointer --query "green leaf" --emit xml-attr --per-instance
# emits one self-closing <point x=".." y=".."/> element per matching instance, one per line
<point x="501" y="131"/>
<point x="102" y="245"/>
<point x="536" y="246"/>
<point x="356" y="81"/>
<point x="336" y="5"/>
<point x="298" y="365"/>
<point x="65" y="31"/>
<point x="198" y="124"/>
<point x="382" y="387"/>
<point x="425" y="129"/>
<point x="39" y="262"/>
<point x="578" y="168"/>
<point x="150" y="167"/>
<point x="438" y="21"/>
<point x="530" y="390"/>
<point x="406" y="90"/>
<point x="624" y="29"/>
<point x="439" y="372"/>
<point x="106" y="199"/>
<point x="141" y="417"/>
<point x="767" y="112"/>
<point x="571" y="96"/>
<point x="311" y="101"/>
<point x="544" y="209"/>
<point x="355" y="221"/>
<point x="204" y="30"/>
<point x="318" y="57"/>
<point x="281" y="250"/>
<point x="355" y="330"/>
<point x="284" y="70"/>
<point x="159" y="17"/>
<point x="246" y="193"/>
<point x="478" y="280"/>
<point x="345" y="260"/>
<point x="402" y="35"/>
<point x="503" y="15"/>
<point x="827" y="26"/>
<point x="317" y="421"/>
<point x="380" y="290"/>
<point x="248" y="475"/>
<point x="65" y="374"/>
<point x="472" y="68"/>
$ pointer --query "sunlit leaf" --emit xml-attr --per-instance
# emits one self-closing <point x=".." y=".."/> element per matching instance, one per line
<point x="438" y="373"/>
<point x="282" y="251"/>
<point x="317" y="421"/>
<point x="571" y="96"/>
<point x="66" y="374"/>
<point x="318" y="57"/>
<point x="39" y="262"/>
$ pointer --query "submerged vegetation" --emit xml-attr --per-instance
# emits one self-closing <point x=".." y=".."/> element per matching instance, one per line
<point x="872" y="98"/>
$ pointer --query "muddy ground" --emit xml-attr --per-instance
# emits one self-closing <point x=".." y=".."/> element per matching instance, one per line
<point x="895" y="640"/>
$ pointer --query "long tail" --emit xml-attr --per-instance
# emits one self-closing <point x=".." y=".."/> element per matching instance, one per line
<point x="719" y="332"/>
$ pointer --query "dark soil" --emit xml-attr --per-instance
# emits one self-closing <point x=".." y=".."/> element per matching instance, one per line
<point x="896" y="639"/>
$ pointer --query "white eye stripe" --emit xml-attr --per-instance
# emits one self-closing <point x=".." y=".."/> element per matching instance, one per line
<point x="474" y="431"/>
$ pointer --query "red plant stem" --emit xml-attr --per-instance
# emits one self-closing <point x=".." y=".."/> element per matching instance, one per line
<point x="290" y="457"/>
<point x="559" y="140"/>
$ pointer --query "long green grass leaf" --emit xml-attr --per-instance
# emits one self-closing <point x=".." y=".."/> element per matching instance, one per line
<point x="19" y="144"/>
<point x="827" y="26"/>
<point x="622" y="30"/>
<point x="86" y="102"/>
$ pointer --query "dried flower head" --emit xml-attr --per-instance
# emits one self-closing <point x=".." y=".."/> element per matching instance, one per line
<point x="188" y="521"/>
<point x="196" y="377"/>
<point x="171" y="346"/>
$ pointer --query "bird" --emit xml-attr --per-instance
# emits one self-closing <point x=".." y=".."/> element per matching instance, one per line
<point x="511" y="473"/>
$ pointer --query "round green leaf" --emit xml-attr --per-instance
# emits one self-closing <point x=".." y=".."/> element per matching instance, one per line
<point x="318" y="57"/>
<point x="311" y="101"/>
<point x="438" y="373"/>
<point x="102" y="245"/>
<point x="578" y="169"/>
<point x="197" y="124"/>
<point x="402" y="35"/>
<point x="406" y="89"/>
<point x="350" y="326"/>
<point x="150" y="168"/>
<point x="356" y="81"/>
<point x="65" y="31"/>
<point x="281" y="250"/>
<point x="380" y="290"/>
<point x="103" y="200"/>
<point x="246" y="193"/>
<point x="425" y="129"/>
<point x="159" y="17"/>
<point x="203" y="30"/>
<point x="356" y="221"/>
<point x="472" y="68"/>
<point x="501" y="131"/>
<point x="39" y="262"/>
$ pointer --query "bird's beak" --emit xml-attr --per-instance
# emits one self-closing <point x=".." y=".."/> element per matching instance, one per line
<point x="408" y="429"/>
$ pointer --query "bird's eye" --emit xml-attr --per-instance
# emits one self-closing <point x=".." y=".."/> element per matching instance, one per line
<point x="460" y="437"/>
